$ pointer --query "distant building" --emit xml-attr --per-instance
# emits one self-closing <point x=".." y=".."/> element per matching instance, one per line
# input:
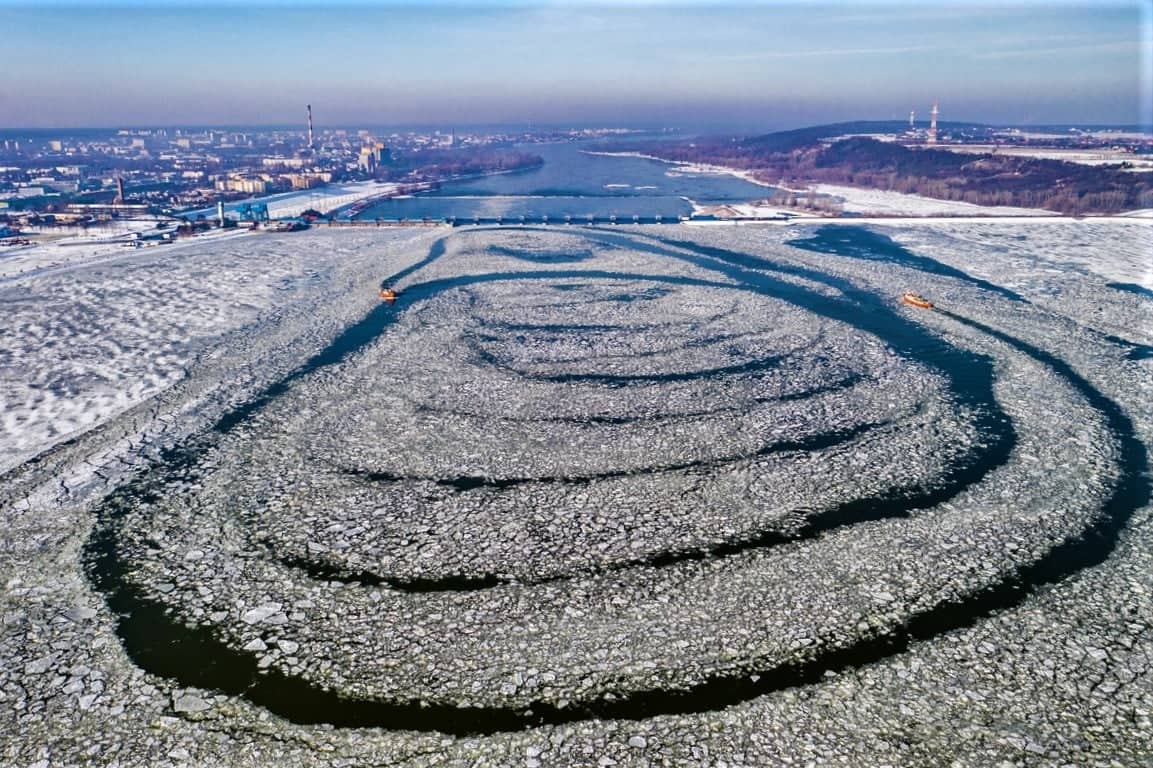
<point x="250" y="186"/>
<point x="372" y="156"/>
<point x="306" y="180"/>
<point x="53" y="184"/>
<point x="285" y="162"/>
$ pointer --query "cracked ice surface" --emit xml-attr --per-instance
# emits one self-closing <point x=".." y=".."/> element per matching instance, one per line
<point x="588" y="498"/>
<point x="630" y="496"/>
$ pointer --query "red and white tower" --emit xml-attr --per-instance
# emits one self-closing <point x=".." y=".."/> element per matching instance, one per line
<point x="933" y="124"/>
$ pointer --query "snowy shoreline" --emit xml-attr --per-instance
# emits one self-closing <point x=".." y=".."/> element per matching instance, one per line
<point x="690" y="167"/>
<point x="856" y="200"/>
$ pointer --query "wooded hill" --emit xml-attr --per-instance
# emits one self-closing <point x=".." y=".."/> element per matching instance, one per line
<point x="808" y="155"/>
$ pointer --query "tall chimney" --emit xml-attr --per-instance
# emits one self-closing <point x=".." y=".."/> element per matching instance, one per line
<point x="220" y="212"/>
<point x="119" y="190"/>
<point x="310" y="144"/>
<point x="933" y="125"/>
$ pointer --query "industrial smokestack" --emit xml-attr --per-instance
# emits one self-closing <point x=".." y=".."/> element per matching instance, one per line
<point x="310" y="144"/>
<point x="220" y="212"/>
<point x="933" y="124"/>
<point x="119" y="191"/>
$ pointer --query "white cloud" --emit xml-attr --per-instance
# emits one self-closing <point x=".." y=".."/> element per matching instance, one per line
<point x="1028" y="51"/>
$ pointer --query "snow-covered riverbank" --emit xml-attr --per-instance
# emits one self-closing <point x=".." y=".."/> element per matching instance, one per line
<point x="864" y="202"/>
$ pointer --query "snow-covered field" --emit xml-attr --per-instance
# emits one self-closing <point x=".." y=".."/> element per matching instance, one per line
<point x="52" y="252"/>
<point x="324" y="199"/>
<point x="878" y="202"/>
<point x="90" y="330"/>
<point x="1100" y="156"/>
<point x="608" y="496"/>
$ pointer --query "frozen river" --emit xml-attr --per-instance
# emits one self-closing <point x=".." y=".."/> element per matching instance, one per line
<point x="573" y="183"/>
<point x="586" y="496"/>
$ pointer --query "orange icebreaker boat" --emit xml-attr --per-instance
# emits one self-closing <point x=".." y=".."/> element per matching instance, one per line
<point x="916" y="300"/>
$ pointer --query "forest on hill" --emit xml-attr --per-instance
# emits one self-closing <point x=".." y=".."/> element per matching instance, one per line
<point x="808" y="156"/>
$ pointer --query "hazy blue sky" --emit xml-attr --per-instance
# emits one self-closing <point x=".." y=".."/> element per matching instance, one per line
<point x="771" y="64"/>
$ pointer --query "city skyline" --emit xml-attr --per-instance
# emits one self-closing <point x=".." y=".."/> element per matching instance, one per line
<point x="752" y="64"/>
